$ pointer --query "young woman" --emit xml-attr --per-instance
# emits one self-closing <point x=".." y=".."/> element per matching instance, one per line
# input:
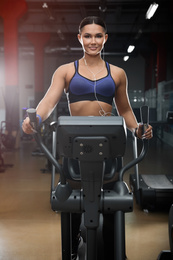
<point x="91" y="85"/>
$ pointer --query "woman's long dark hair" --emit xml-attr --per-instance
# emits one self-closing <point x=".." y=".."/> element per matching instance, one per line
<point x="91" y="20"/>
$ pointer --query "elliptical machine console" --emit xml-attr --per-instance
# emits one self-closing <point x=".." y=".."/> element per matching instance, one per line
<point x="91" y="138"/>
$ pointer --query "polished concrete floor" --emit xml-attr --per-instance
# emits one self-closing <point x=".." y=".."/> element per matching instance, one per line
<point x="30" y="230"/>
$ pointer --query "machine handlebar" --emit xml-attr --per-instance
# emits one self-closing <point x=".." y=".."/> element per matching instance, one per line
<point x="144" y="111"/>
<point x="33" y="117"/>
<point x="33" y="120"/>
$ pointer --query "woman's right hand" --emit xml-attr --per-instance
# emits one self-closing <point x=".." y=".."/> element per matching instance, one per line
<point x="26" y="126"/>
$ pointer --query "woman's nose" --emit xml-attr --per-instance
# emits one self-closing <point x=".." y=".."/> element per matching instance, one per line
<point x="93" y="40"/>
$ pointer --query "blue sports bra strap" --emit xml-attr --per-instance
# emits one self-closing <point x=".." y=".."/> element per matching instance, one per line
<point x="108" y="67"/>
<point x="76" y="65"/>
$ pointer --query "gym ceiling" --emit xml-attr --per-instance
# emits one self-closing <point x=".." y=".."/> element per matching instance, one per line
<point x="125" y="21"/>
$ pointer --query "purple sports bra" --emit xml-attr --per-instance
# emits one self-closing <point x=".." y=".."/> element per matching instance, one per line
<point x="81" y="88"/>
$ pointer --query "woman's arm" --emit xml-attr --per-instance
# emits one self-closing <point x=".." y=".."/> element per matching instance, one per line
<point x="53" y="95"/>
<point x="122" y="101"/>
<point x="123" y="105"/>
<point x="51" y="98"/>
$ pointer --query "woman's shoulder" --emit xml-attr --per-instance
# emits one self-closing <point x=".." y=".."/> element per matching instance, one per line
<point x="117" y="73"/>
<point x="115" y="68"/>
<point x="64" y="69"/>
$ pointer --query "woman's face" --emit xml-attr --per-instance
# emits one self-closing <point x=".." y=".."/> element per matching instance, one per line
<point x="92" y="38"/>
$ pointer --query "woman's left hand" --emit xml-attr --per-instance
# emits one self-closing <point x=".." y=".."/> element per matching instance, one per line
<point x="148" y="133"/>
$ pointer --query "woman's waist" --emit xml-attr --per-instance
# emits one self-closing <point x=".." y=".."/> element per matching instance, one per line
<point x="89" y="108"/>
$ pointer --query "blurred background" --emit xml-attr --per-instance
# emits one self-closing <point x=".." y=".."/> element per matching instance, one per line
<point x="36" y="37"/>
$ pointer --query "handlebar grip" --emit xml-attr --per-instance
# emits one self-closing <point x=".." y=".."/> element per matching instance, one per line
<point x="144" y="117"/>
<point x="32" y="116"/>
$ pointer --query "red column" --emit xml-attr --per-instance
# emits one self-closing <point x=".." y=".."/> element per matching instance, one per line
<point x="161" y="41"/>
<point x="39" y="41"/>
<point x="11" y="11"/>
<point x="161" y="62"/>
<point x="149" y="69"/>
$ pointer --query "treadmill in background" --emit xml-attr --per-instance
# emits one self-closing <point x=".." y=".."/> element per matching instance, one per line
<point x="152" y="191"/>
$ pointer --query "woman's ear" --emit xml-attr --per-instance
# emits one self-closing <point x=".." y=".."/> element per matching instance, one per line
<point x="106" y="37"/>
<point x="79" y="37"/>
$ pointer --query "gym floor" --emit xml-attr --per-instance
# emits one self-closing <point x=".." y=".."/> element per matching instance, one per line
<point x="30" y="230"/>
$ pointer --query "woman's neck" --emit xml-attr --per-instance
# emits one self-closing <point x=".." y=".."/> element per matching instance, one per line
<point x="92" y="60"/>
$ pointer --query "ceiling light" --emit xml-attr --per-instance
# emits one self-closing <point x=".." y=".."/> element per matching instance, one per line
<point x="102" y="8"/>
<point x="45" y="5"/>
<point x="151" y="10"/>
<point x="60" y="34"/>
<point x="51" y="17"/>
<point x="126" y="58"/>
<point x="130" y="48"/>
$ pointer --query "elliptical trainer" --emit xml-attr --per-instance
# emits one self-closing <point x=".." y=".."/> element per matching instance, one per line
<point x="91" y="140"/>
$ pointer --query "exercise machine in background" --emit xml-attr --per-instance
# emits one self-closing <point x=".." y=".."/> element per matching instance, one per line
<point x="152" y="191"/>
<point x="7" y="143"/>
